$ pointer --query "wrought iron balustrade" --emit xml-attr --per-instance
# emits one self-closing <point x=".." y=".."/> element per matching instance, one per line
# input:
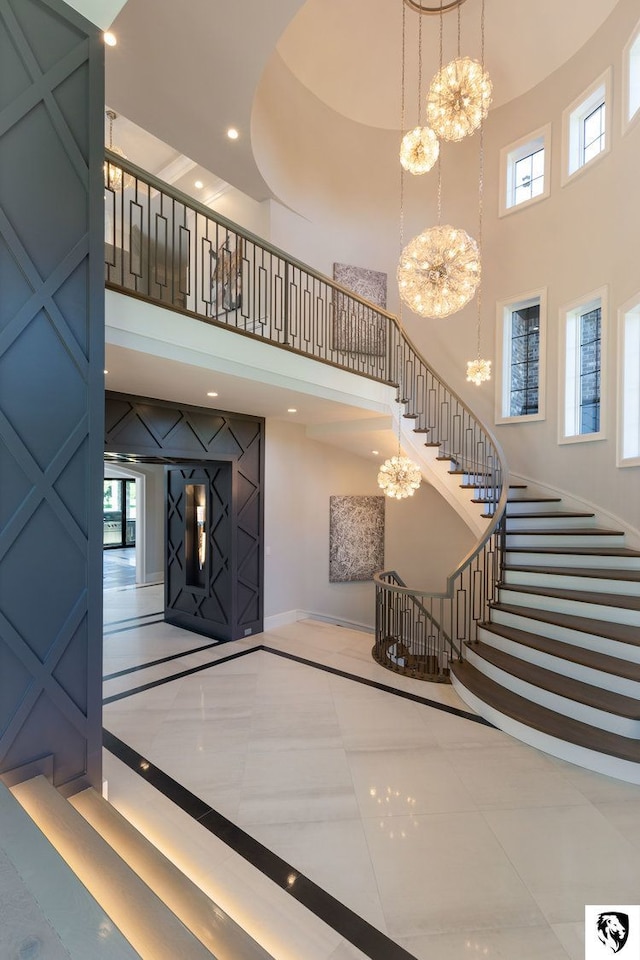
<point x="163" y="246"/>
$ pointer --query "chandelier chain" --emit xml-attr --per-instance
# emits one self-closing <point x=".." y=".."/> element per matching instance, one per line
<point x="480" y="181"/>
<point x="420" y="71"/>
<point x="459" y="45"/>
<point x="440" y="154"/>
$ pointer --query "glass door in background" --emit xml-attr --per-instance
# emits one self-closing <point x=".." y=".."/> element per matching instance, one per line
<point x="119" y="512"/>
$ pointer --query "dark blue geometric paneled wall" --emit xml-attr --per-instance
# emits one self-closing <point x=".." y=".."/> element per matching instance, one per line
<point x="51" y="390"/>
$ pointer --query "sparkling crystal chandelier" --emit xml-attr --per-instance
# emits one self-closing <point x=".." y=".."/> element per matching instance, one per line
<point x="439" y="271"/>
<point x="113" y="174"/>
<point x="399" y="477"/>
<point x="420" y="148"/>
<point x="459" y="98"/>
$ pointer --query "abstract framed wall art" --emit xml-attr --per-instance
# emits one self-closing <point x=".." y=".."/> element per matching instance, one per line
<point x="226" y="276"/>
<point x="356" y="538"/>
<point x="356" y="327"/>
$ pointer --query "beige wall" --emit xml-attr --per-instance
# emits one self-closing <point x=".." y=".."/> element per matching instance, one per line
<point x="582" y="237"/>
<point x="424" y="537"/>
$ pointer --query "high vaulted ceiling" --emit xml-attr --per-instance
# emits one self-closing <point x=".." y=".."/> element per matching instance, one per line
<point x="187" y="71"/>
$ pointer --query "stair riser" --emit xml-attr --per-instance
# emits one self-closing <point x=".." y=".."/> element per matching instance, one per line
<point x="613" y="648"/>
<point x="591" y="759"/>
<point x="516" y="523"/>
<point x="623" y="726"/>
<point x="602" y="561"/>
<point x="550" y="540"/>
<point x="573" y="608"/>
<point x="516" y="507"/>
<point x="560" y="581"/>
<point x="598" y="678"/>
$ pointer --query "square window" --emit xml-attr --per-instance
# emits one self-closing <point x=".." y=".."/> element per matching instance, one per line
<point x="586" y="128"/>
<point x="524" y="171"/>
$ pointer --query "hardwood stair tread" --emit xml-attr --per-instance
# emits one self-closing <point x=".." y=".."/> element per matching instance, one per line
<point x="534" y="499"/>
<point x="587" y="572"/>
<point x="583" y="596"/>
<point x="567" y="651"/>
<point x="567" y="532"/>
<point x="548" y="514"/>
<point x="577" y="690"/>
<point x="542" y="719"/>
<point x="621" y="632"/>
<point x="579" y="551"/>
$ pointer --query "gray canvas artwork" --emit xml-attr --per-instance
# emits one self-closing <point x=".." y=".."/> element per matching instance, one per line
<point x="356" y="538"/>
<point x="356" y="328"/>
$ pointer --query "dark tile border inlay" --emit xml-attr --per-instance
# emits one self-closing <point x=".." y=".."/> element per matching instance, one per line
<point x="134" y="626"/>
<point x="141" y="616"/>
<point x="177" y="676"/>
<point x="344" y="921"/>
<point x="384" y="687"/>
<point x="154" y="663"/>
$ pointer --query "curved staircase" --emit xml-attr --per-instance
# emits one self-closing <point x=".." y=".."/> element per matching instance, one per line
<point x="557" y="662"/>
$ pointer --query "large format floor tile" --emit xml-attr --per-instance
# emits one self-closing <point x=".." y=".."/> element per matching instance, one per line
<point x="442" y="833"/>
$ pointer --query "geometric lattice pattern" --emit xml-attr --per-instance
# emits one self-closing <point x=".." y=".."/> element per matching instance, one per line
<point x="158" y="431"/>
<point x="51" y="317"/>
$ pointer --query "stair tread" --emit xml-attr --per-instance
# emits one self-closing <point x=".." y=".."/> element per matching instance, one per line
<point x="578" y="690"/>
<point x="579" y="551"/>
<point x="587" y="572"/>
<point x="546" y="514"/>
<point x="567" y="651"/>
<point x="541" y="718"/>
<point x="584" y="596"/>
<point x="567" y="532"/>
<point x="598" y="628"/>
<point x="534" y="500"/>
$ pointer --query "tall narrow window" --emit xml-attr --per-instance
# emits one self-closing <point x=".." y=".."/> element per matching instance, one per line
<point x="586" y="127"/>
<point x="583" y="366"/>
<point x="524" y="171"/>
<point x="629" y="384"/>
<point x="631" y="70"/>
<point x="520" y="359"/>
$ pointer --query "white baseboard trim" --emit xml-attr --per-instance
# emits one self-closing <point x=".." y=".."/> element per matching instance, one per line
<point x="281" y="619"/>
<point x="291" y="616"/>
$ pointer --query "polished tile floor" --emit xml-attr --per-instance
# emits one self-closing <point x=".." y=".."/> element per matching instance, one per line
<point x="439" y="835"/>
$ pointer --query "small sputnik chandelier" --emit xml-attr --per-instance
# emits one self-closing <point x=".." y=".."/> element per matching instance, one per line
<point x="439" y="271"/>
<point x="419" y="150"/>
<point x="399" y="477"/>
<point x="113" y="174"/>
<point x="459" y="98"/>
<point x="478" y="371"/>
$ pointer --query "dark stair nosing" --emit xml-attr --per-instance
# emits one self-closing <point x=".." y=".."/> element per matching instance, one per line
<point x="582" y="656"/>
<point x="548" y="515"/>
<point x="578" y="551"/>
<point x="567" y="532"/>
<point x="620" y="632"/>
<point x="534" y="499"/>
<point x="581" y="596"/>
<point x="602" y="573"/>
<point x="607" y="701"/>
<point x="546" y="721"/>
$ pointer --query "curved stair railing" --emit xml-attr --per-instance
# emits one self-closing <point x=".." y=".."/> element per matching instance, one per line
<point x="165" y="247"/>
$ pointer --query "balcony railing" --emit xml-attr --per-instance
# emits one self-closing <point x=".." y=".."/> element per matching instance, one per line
<point x="163" y="246"/>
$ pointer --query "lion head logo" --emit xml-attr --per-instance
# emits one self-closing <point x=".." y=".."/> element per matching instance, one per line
<point x="613" y="930"/>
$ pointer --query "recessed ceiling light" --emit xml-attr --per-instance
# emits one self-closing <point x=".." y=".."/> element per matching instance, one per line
<point x="292" y="410"/>
<point x="232" y="133"/>
<point x="198" y="184"/>
<point x="212" y="393"/>
<point x="376" y="453"/>
<point x="110" y="38"/>
<point x="105" y="371"/>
